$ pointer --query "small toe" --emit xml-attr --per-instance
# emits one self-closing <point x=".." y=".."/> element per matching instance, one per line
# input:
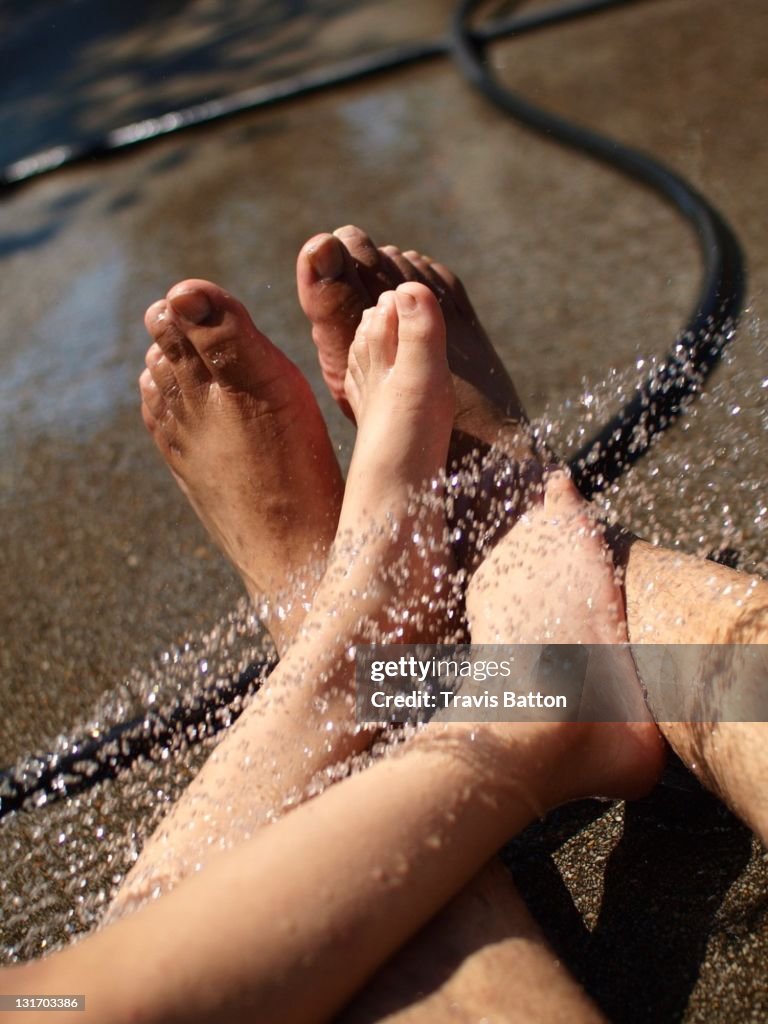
<point x="153" y="356"/>
<point x="455" y="289"/>
<point x="150" y="422"/>
<point x="561" y="498"/>
<point x="166" y="332"/>
<point x="449" y="279"/>
<point x="164" y="375"/>
<point x="155" y="316"/>
<point x="358" y="244"/>
<point x="426" y="273"/>
<point x="381" y="332"/>
<point x="375" y="269"/>
<point x="152" y="397"/>
<point x="406" y="270"/>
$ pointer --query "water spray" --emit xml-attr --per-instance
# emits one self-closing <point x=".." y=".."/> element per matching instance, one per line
<point x="669" y="389"/>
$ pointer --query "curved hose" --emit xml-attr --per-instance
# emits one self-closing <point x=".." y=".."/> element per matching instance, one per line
<point x="674" y="382"/>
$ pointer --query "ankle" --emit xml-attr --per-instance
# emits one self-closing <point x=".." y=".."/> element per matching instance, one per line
<point x="521" y="765"/>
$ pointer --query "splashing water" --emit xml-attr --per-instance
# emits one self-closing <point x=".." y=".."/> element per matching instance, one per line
<point x="700" y="490"/>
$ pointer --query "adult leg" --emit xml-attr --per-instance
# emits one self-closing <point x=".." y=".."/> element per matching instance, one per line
<point x="677" y="600"/>
<point x="481" y="958"/>
<point x="242" y="434"/>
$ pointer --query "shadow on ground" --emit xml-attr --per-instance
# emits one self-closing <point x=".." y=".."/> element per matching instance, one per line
<point x="664" y="884"/>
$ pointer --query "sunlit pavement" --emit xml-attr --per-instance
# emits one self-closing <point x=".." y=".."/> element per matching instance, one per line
<point x="572" y="269"/>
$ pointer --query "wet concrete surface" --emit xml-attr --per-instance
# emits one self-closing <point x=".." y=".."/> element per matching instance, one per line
<point x="573" y="270"/>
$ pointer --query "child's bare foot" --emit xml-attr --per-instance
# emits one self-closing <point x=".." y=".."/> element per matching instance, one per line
<point x="341" y="275"/>
<point x="391" y="550"/>
<point x="551" y="580"/>
<point x="242" y="434"/>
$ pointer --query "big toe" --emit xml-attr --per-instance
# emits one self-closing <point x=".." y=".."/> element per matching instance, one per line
<point x="333" y="299"/>
<point x="219" y="330"/>
<point x="421" y="330"/>
<point x="338" y="277"/>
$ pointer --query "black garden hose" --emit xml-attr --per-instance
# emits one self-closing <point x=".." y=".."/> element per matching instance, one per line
<point x="673" y="383"/>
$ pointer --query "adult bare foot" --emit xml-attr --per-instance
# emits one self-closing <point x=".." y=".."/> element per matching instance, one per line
<point x="241" y="432"/>
<point x="551" y="580"/>
<point x="341" y="275"/>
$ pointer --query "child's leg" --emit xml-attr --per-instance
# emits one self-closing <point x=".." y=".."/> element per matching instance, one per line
<point x="288" y="925"/>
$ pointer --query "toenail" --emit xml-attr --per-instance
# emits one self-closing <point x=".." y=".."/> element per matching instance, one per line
<point x="385" y="303"/>
<point x="406" y="303"/>
<point x="328" y="259"/>
<point x="193" y="306"/>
